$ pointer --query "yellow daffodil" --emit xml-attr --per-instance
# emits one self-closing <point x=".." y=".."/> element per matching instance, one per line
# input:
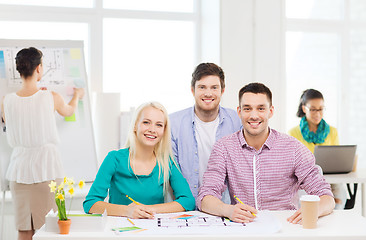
<point x="66" y="185"/>
<point x="71" y="191"/>
<point x="61" y="186"/>
<point x="52" y="186"/>
<point x="70" y="182"/>
<point x="81" y="184"/>
<point x="60" y="196"/>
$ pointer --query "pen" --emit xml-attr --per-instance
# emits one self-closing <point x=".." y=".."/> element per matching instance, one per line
<point x="132" y="200"/>
<point x="242" y="203"/>
<point x="130" y="221"/>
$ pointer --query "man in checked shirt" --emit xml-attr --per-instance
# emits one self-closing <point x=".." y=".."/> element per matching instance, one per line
<point x="263" y="168"/>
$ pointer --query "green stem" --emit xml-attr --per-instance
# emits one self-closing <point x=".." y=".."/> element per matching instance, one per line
<point x="70" y="204"/>
<point x="61" y="207"/>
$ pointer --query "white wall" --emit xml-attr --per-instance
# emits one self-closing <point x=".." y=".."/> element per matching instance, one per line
<point x="236" y="47"/>
<point x="251" y="50"/>
<point x="106" y="120"/>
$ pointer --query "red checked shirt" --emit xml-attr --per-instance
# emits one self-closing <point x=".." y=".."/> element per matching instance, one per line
<point x="265" y="179"/>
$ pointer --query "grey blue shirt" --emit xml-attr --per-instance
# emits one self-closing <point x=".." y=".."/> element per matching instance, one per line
<point x="184" y="141"/>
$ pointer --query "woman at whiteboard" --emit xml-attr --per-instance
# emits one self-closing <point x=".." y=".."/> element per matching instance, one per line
<point x="313" y="130"/>
<point x="32" y="133"/>
<point x="137" y="177"/>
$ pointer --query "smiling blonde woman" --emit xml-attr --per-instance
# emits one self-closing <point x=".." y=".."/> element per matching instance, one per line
<point x="137" y="177"/>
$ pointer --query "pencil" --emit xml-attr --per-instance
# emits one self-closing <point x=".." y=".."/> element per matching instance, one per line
<point x="140" y="230"/>
<point x="130" y="221"/>
<point x="132" y="200"/>
<point x="242" y="203"/>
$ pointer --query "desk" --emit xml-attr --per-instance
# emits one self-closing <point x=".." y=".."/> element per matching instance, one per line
<point x="340" y="224"/>
<point x="352" y="177"/>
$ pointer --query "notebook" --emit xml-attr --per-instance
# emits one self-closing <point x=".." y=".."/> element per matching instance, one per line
<point x="335" y="158"/>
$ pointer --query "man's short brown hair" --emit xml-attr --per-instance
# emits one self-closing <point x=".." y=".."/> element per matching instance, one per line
<point x="208" y="69"/>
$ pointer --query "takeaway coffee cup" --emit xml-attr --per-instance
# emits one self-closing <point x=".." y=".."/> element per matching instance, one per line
<point x="309" y="210"/>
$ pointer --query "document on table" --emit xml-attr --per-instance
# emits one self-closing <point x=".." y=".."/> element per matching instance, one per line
<point x="198" y="223"/>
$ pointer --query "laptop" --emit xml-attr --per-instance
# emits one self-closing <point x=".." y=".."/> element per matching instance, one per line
<point x="335" y="158"/>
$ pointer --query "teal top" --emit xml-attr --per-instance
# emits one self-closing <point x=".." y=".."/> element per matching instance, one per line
<point x="116" y="175"/>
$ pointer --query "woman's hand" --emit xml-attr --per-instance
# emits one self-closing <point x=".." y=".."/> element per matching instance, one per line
<point x="80" y="92"/>
<point x="139" y="211"/>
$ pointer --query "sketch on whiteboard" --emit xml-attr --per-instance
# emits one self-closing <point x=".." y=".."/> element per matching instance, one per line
<point x="53" y="67"/>
<point x="63" y="70"/>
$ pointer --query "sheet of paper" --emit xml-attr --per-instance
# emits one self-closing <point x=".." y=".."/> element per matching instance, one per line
<point x="200" y="223"/>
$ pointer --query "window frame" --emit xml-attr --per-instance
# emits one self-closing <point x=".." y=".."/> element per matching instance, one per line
<point x="343" y="28"/>
<point x="94" y="18"/>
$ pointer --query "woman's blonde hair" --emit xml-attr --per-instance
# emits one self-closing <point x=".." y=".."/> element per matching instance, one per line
<point x="163" y="149"/>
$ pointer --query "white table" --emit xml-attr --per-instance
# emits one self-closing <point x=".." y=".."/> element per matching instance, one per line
<point x="352" y="177"/>
<point x="341" y="224"/>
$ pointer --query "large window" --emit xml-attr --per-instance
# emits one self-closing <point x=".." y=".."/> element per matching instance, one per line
<point x="326" y="50"/>
<point x="144" y="49"/>
<point x="313" y="61"/>
<point x="149" y="60"/>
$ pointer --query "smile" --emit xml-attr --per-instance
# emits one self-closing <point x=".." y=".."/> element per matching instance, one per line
<point x="150" y="136"/>
<point x="208" y="100"/>
<point x="254" y="124"/>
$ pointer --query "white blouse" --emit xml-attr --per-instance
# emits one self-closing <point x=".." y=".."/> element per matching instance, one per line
<point x="32" y="133"/>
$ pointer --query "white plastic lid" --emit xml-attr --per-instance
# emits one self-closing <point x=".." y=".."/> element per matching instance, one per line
<point x="310" y="198"/>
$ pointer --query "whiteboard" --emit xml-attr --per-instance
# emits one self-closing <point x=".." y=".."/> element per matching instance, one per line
<point x="64" y="68"/>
